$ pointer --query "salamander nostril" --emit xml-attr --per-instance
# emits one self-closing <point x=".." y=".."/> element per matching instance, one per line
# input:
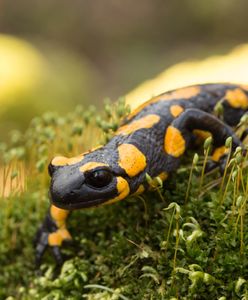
<point x="66" y="183"/>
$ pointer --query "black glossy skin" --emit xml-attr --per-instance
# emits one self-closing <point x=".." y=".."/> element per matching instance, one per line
<point x="69" y="189"/>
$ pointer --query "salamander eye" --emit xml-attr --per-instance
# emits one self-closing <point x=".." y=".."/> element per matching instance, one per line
<point x="99" y="178"/>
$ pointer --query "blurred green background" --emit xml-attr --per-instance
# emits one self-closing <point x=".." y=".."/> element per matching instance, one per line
<point x="70" y="52"/>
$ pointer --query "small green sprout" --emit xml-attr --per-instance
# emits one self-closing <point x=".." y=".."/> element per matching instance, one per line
<point x="219" y="109"/>
<point x="150" y="273"/>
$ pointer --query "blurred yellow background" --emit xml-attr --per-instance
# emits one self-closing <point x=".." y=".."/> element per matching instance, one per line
<point x="232" y="67"/>
<point x="55" y="55"/>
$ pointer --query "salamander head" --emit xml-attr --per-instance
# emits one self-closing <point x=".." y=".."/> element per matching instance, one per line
<point x="84" y="182"/>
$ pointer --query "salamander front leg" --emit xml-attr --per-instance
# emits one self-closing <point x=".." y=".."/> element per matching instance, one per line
<point x="52" y="233"/>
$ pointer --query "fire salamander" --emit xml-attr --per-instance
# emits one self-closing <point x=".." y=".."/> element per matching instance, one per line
<point x="152" y="139"/>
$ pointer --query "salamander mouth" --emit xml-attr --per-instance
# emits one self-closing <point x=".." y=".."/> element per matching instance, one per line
<point x="78" y="204"/>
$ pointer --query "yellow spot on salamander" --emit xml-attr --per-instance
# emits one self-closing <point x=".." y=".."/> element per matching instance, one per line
<point x="237" y="98"/>
<point x="56" y="238"/>
<point x="122" y="188"/>
<point x="131" y="159"/>
<point x="201" y="135"/>
<point x="145" y="122"/>
<point x="174" y="143"/>
<point x="92" y="165"/>
<point x="219" y="152"/>
<point x="65" y="161"/>
<point x="176" y="110"/>
<point x="183" y="93"/>
<point x="59" y="215"/>
<point x="139" y="190"/>
<point x="163" y="176"/>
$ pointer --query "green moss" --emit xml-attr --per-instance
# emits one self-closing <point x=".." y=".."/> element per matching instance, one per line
<point x="187" y="239"/>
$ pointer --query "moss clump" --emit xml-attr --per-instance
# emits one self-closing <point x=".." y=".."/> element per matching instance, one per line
<point x="186" y="239"/>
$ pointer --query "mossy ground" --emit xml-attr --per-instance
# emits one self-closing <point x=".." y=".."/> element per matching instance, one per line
<point x="161" y="245"/>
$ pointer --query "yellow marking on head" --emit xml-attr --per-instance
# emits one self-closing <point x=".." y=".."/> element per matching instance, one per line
<point x="139" y="190"/>
<point x="219" y="152"/>
<point x="123" y="190"/>
<point x="60" y="161"/>
<point x="176" y="110"/>
<point x="131" y="159"/>
<point x="56" y="238"/>
<point x="237" y="98"/>
<point x="145" y="122"/>
<point x="59" y="215"/>
<point x="201" y="135"/>
<point x="92" y="165"/>
<point x="174" y="143"/>
<point x="182" y="93"/>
